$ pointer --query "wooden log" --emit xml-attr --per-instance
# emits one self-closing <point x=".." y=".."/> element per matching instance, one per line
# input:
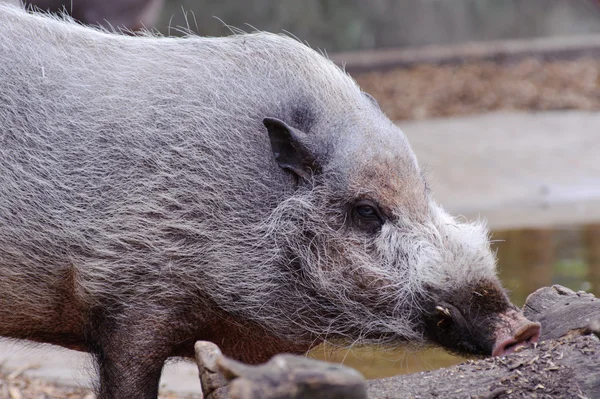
<point x="561" y="311"/>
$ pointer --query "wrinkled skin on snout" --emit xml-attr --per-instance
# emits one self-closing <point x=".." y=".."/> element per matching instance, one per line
<point x="478" y="321"/>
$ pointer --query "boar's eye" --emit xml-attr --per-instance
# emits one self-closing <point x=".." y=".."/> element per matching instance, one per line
<point x="366" y="211"/>
<point x="367" y="216"/>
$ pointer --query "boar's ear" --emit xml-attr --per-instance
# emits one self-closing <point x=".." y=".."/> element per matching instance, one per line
<point x="290" y="147"/>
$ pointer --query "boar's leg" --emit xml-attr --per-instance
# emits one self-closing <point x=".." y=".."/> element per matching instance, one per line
<point x="130" y="357"/>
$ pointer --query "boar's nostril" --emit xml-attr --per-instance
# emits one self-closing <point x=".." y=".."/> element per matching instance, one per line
<point x="529" y="333"/>
<point x="525" y="335"/>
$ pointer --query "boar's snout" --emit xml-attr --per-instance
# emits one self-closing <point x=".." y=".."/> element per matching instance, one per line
<point x="515" y="332"/>
<point x="480" y="322"/>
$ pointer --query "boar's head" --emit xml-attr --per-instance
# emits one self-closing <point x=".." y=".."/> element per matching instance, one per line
<point x="369" y="257"/>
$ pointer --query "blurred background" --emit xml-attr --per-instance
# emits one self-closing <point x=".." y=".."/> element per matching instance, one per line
<point x="343" y="25"/>
<point x="499" y="100"/>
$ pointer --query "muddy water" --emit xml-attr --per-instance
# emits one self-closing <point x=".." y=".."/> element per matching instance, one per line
<point x="527" y="260"/>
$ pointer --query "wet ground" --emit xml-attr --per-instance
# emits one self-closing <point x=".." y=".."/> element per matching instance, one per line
<point x="517" y="170"/>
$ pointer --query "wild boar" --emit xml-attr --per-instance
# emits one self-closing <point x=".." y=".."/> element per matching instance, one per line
<point x="240" y="190"/>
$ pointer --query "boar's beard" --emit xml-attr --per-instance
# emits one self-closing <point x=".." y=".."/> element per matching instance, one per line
<point x="311" y="277"/>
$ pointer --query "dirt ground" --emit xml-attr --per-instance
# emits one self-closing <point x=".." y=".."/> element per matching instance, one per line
<point x="427" y="91"/>
<point x="15" y="385"/>
<point x="540" y="374"/>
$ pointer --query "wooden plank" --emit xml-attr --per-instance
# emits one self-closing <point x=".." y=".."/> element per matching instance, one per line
<point x="546" y="49"/>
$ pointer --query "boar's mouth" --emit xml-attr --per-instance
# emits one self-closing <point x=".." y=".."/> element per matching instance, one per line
<point x="449" y="328"/>
<point x="478" y="321"/>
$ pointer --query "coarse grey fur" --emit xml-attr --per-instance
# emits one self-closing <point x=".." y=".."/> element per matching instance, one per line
<point x="142" y="206"/>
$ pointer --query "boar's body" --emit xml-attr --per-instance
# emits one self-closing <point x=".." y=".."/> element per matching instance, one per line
<point x="242" y="190"/>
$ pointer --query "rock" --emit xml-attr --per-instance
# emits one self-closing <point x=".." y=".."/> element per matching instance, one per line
<point x="283" y="377"/>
